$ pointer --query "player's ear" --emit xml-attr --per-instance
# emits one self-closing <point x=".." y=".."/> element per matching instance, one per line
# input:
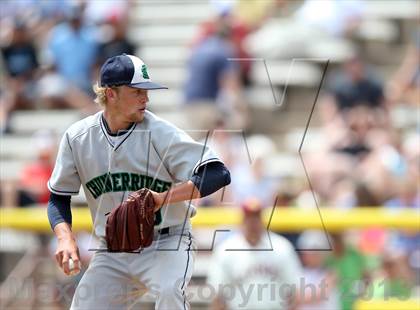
<point x="108" y="93"/>
<point x="111" y="93"/>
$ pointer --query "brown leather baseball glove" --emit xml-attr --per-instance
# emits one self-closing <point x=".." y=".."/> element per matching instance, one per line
<point x="129" y="227"/>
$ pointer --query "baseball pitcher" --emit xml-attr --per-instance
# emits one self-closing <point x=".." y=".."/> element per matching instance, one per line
<point x="139" y="173"/>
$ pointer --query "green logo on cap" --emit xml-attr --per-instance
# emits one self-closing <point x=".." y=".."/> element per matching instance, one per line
<point x="144" y="71"/>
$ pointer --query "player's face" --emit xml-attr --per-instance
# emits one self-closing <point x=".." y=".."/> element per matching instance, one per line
<point x="252" y="227"/>
<point x="132" y="103"/>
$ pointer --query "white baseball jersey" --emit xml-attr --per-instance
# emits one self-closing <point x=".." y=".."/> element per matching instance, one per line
<point x="255" y="277"/>
<point x="153" y="154"/>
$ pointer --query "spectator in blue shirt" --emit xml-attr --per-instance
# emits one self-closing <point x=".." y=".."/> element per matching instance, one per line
<point x="209" y="69"/>
<point x="213" y="88"/>
<point x="73" y="49"/>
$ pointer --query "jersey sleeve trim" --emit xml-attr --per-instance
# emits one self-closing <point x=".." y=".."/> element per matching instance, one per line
<point x="68" y="142"/>
<point x="60" y="192"/>
<point x="197" y="166"/>
<point x="84" y="132"/>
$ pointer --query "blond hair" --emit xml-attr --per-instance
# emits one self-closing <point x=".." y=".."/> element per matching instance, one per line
<point x="100" y="93"/>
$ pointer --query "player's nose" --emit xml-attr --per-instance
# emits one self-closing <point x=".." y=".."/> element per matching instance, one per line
<point x="144" y="100"/>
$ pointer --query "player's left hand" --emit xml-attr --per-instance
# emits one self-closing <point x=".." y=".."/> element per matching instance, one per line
<point x="159" y="199"/>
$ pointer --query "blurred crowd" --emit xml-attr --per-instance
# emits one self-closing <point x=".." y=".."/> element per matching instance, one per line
<point x="52" y="50"/>
<point x="366" y="157"/>
<point x="368" y="154"/>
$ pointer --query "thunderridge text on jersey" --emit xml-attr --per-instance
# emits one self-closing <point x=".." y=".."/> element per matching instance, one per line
<point x="124" y="181"/>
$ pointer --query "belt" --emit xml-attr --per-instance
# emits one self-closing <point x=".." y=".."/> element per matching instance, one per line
<point x="170" y="230"/>
<point x="163" y="231"/>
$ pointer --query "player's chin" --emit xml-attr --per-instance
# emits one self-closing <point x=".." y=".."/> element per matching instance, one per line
<point x="138" y="116"/>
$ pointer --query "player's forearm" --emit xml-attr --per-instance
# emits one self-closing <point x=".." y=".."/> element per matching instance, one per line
<point x="208" y="179"/>
<point x="63" y="231"/>
<point x="180" y="192"/>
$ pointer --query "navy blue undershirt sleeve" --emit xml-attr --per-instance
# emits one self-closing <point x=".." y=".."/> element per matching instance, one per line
<point x="59" y="209"/>
<point x="211" y="177"/>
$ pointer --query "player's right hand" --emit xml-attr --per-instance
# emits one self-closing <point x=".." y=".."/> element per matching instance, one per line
<point x="66" y="249"/>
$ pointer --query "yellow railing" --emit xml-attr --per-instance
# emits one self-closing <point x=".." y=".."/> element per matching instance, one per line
<point x="282" y="219"/>
<point x="390" y="304"/>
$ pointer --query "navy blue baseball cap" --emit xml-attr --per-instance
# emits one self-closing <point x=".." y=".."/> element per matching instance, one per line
<point x="127" y="70"/>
